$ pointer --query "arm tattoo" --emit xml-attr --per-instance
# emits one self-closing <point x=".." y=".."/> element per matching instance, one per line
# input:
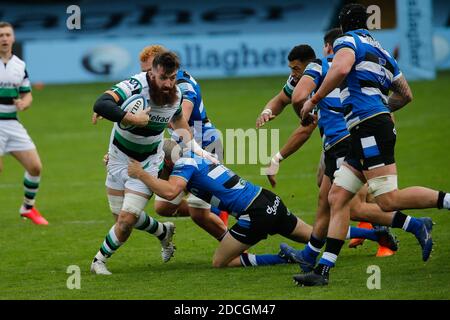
<point x="401" y="95"/>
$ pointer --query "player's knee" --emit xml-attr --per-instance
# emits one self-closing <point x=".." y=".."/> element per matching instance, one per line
<point x="35" y="170"/>
<point x="355" y="211"/>
<point x="165" y="209"/>
<point x="386" y="201"/>
<point x="125" y="224"/>
<point x="218" y="263"/>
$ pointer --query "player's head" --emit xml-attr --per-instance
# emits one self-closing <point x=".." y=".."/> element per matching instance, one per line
<point x="6" y="37"/>
<point x="148" y="54"/>
<point x="328" y="40"/>
<point x="172" y="152"/>
<point x="353" y="16"/>
<point x="299" y="57"/>
<point x="163" y="88"/>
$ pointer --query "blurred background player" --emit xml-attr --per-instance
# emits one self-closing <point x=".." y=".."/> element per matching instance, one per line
<point x="15" y="96"/>
<point x="366" y="73"/>
<point x="259" y="212"/>
<point x="206" y="135"/>
<point x="127" y="196"/>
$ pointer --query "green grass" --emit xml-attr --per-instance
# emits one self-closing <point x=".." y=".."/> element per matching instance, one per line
<point x="34" y="259"/>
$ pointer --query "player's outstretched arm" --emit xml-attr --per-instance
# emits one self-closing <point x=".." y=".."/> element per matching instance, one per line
<point x="166" y="189"/>
<point x="273" y="108"/>
<point x="401" y="94"/>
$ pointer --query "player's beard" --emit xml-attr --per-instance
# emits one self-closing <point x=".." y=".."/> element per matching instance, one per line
<point x="160" y="97"/>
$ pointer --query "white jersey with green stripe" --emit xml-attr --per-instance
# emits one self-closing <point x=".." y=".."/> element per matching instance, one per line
<point x="140" y="143"/>
<point x="13" y="81"/>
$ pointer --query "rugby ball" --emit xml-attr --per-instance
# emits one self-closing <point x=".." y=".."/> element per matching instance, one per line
<point x="133" y="104"/>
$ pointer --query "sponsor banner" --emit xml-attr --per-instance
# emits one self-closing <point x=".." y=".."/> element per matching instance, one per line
<point x="66" y="61"/>
<point x="110" y="60"/>
<point x="414" y="20"/>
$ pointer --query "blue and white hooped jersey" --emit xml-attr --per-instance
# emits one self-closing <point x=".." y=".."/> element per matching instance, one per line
<point x="203" y="130"/>
<point x="331" y="121"/>
<point x="215" y="184"/>
<point x="364" y="93"/>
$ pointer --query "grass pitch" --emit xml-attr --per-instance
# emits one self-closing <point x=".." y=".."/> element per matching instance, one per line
<point x="72" y="197"/>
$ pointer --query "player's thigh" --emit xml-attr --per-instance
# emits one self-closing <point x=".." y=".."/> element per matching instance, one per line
<point x="30" y="160"/>
<point x="229" y="249"/>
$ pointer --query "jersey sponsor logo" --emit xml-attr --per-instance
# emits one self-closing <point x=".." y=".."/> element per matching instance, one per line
<point x="159" y="119"/>
<point x="273" y="209"/>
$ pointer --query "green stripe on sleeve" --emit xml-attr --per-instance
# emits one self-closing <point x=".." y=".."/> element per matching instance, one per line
<point x="24" y="89"/>
<point x="120" y="92"/>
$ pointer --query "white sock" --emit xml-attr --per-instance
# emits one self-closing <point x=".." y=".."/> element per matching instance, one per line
<point x="446" y="204"/>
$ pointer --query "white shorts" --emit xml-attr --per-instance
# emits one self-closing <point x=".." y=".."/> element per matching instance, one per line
<point x="117" y="177"/>
<point x="14" y="137"/>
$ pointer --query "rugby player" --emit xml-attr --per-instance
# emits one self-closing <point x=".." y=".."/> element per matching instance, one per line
<point x="127" y="196"/>
<point x="15" y="96"/>
<point x="366" y="72"/>
<point x="205" y="135"/>
<point x="259" y="212"/>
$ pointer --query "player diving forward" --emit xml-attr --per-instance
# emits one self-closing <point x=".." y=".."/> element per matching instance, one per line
<point x="127" y="196"/>
<point x="259" y="211"/>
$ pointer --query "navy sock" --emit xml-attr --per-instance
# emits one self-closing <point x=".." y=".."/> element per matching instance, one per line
<point x="407" y="223"/>
<point x="363" y="233"/>
<point x="312" y="249"/>
<point x="248" y="259"/>
<point x="331" y="253"/>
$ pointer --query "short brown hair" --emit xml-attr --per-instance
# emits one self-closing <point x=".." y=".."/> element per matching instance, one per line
<point x="4" y="24"/>
<point x="168" y="60"/>
<point x="151" y="51"/>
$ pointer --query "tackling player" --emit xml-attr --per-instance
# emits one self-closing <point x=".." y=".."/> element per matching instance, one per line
<point x="258" y="211"/>
<point x="15" y="96"/>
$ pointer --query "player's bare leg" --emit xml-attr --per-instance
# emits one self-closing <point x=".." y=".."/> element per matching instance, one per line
<point x="209" y="222"/>
<point x="167" y="209"/>
<point x="228" y="253"/>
